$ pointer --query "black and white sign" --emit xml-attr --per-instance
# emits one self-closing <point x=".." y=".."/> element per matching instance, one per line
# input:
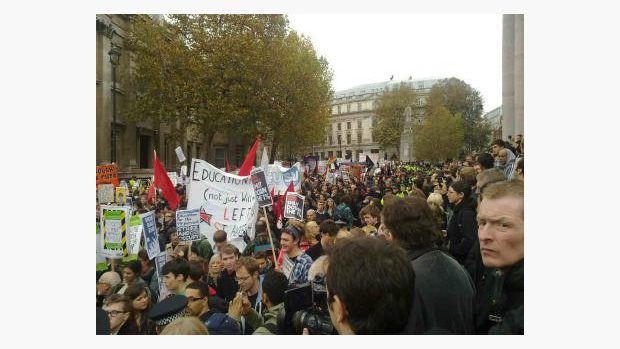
<point x="260" y="188"/>
<point x="188" y="225"/>
<point x="180" y="154"/>
<point x="294" y="206"/>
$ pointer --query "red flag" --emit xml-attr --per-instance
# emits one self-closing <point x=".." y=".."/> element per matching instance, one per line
<point x="227" y="166"/>
<point x="163" y="182"/>
<point x="249" y="159"/>
<point x="291" y="188"/>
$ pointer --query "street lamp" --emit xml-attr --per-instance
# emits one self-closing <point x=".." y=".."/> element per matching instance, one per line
<point x="115" y="54"/>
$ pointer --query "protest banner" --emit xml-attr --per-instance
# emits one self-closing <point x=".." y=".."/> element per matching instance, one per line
<point x="188" y="225"/>
<point x="322" y="166"/>
<point x="355" y="171"/>
<point x="278" y="177"/>
<point x="149" y="229"/>
<point x="261" y="189"/>
<point x="107" y="174"/>
<point x="180" y="154"/>
<point x="226" y="202"/>
<point x="134" y="234"/>
<point x="121" y="195"/>
<point x="101" y="261"/>
<point x="331" y="178"/>
<point x="160" y="260"/>
<point x="105" y="193"/>
<point x="173" y="178"/>
<point x="114" y="227"/>
<point x="294" y="206"/>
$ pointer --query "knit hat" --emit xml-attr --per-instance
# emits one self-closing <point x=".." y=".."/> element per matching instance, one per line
<point x="168" y="310"/>
<point x="110" y="277"/>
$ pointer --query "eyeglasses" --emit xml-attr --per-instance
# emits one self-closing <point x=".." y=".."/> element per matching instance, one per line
<point x="114" y="313"/>
<point x="242" y="279"/>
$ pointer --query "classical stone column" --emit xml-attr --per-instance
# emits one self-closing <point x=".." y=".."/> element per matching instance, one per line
<point x="518" y="75"/>
<point x="508" y="96"/>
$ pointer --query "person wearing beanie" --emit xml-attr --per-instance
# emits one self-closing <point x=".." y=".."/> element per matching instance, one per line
<point x="106" y="284"/>
<point x="295" y="263"/>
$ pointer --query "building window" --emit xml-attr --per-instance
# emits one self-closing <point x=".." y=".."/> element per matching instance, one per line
<point x="338" y="109"/>
<point x="420" y="101"/>
<point x="220" y="157"/>
<point x="348" y="125"/>
<point x="331" y="140"/>
<point x="349" y="138"/>
<point x="338" y="126"/>
<point x="374" y="151"/>
<point x="359" y="124"/>
<point x="348" y="107"/>
<point x="359" y="138"/>
<point x="238" y="155"/>
<point x="339" y="139"/>
<point x="359" y="106"/>
<point x="339" y="154"/>
<point x="330" y="154"/>
<point x="322" y="155"/>
<point x="332" y="127"/>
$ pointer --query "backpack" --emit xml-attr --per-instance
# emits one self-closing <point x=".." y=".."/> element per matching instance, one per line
<point x="222" y="324"/>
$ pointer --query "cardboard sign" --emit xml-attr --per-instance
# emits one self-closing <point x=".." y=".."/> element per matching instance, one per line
<point x="149" y="228"/>
<point x="121" y="195"/>
<point x="173" y="178"/>
<point x="261" y="189"/>
<point x="226" y="201"/>
<point x="188" y="225"/>
<point x="279" y="177"/>
<point x="160" y="260"/>
<point x="134" y="235"/>
<point x="294" y="206"/>
<point x="105" y="193"/>
<point x="107" y="174"/>
<point x="114" y="221"/>
<point x="180" y="154"/>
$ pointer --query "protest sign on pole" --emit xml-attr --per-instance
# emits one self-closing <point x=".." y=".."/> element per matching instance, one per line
<point x="107" y="174"/>
<point x="173" y="178"/>
<point x="105" y="193"/>
<point x="261" y="188"/>
<point x="150" y="234"/>
<point x="294" y="206"/>
<point x="121" y="195"/>
<point x="188" y="225"/>
<point x="114" y="221"/>
<point x="226" y="202"/>
<point x="160" y="260"/>
<point x="101" y="261"/>
<point x="134" y="234"/>
<point x="278" y="177"/>
<point x="180" y="154"/>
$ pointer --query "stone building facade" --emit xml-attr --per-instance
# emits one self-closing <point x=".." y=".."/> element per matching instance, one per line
<point x="512" y="75"/>
<point x="353" y="119"/>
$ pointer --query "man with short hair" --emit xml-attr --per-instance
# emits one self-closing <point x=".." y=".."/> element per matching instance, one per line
<point x="370" y="287"/>
<point x="198" y="305"/>
<point x="370" y="215"/>
<point x="484" y="161"/>
<point x="439" y="302"/>
<point x="321" y="212"/>
<point x="499" y="301"/>
<point x="175" y="274"/>
<point x="219" y="239"/>
<point x="328" y="229"/>
<point x="296" y="263"/>
<point x="227" y="286"/>
<point x="248" y="278"/>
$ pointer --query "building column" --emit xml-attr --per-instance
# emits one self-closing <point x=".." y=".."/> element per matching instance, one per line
<point x="508" y="63"/>
<point x="518" y="74"/>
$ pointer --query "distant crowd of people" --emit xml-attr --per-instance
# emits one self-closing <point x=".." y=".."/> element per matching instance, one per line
<point x="407" y="248"/>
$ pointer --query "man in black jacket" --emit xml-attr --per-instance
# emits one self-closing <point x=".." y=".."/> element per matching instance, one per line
<point x="444" y="291"/>
<point x="499" y="301"/>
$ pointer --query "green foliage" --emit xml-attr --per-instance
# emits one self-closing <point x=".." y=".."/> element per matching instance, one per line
<point x="389" y="113"/>
<point x="240" y="75"/>
<point x="441" y="136"/>
<point x="460" y="98"/>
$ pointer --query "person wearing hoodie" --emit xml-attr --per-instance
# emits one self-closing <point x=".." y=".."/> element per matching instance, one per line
<point x="462" y="228"/>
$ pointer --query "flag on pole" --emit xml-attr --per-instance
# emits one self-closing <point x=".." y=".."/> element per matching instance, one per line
<point x="151" y="193"/>
<point x="246" y="167"/>
<point x="163" y="182"/>
<point x="369" y="163"/>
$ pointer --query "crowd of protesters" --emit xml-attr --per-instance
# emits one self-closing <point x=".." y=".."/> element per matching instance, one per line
<point x="415" y="248"/>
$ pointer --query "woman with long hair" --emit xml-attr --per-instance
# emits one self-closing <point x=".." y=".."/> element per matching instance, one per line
<point x="139" y="322"/>
<point x="331" y="207"/>
<point x="462" y="227"/>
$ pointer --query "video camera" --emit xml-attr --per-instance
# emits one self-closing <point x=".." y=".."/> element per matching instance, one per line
<point x="305" y="306"/>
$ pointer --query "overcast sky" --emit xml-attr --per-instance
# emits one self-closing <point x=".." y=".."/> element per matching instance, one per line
<point x="364" y="48"/>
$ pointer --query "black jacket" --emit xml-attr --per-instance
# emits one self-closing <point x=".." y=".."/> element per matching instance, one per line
<point x="227" y="286"/>
<point x="499" y="302"/>
<point x="315" y="251"/>
<point x="444" y="294"/>
<point x="462" y="230"/>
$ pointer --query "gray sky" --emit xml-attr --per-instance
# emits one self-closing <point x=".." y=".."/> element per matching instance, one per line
<point x="369" y="48"/>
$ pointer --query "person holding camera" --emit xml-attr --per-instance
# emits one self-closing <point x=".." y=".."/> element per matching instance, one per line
<point x="352" y="300"/>
<point x="273" y="287"/>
